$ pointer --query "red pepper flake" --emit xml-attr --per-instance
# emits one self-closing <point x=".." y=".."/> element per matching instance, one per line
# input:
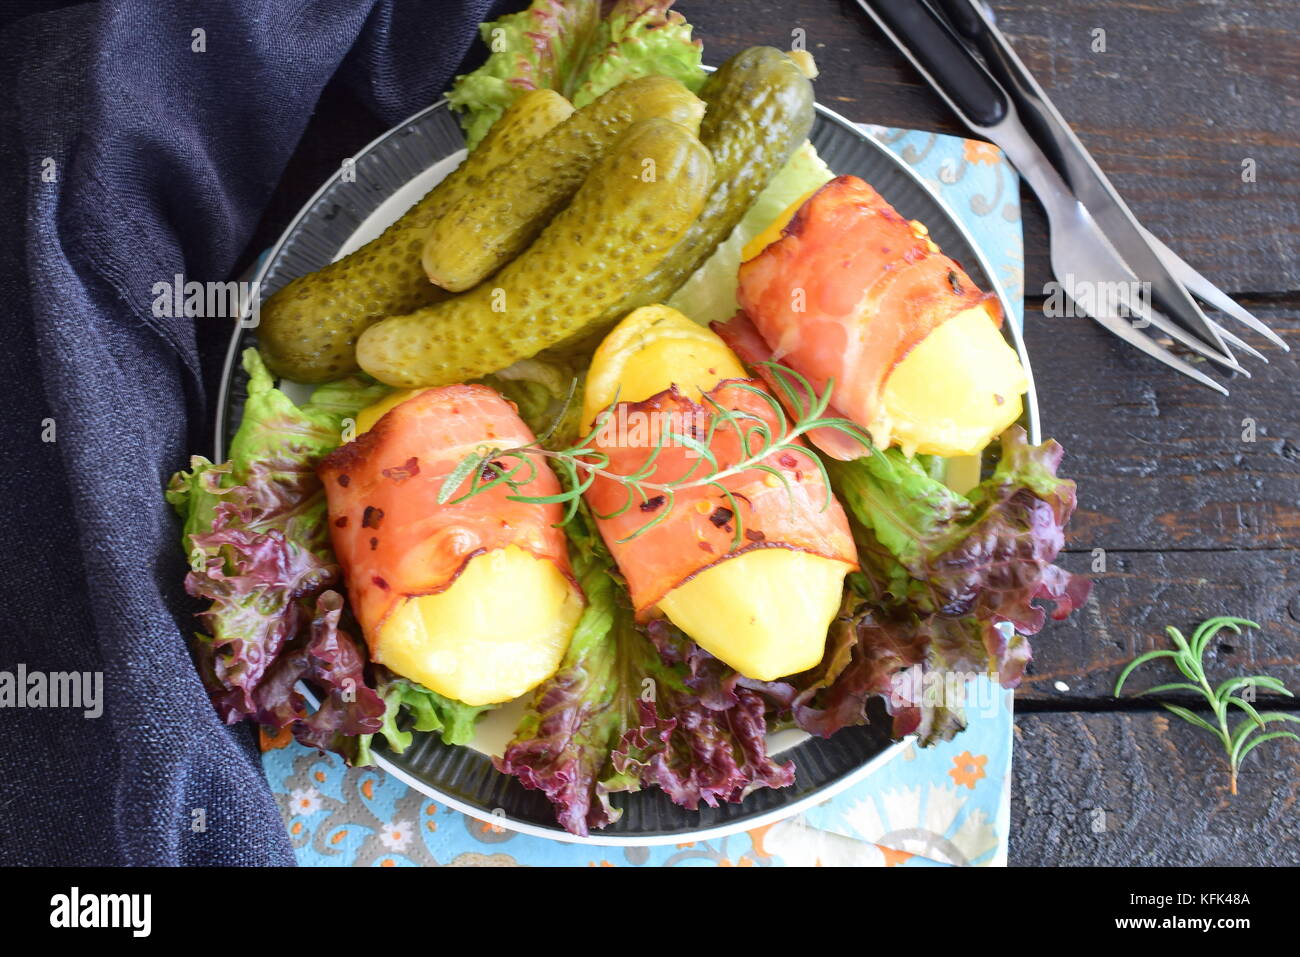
<point x="787" y="460"/>
<point x="341" y="522"/>
<point x="651" y="504"/>
<point x="374" y="543"/>
<point x="754" y="535"/>
<point x="705" y="546"/>
<point x="379" y="582"/>
<point x="721" y="516"/>
<point x="399" y="474"/>
<point x="372" y="517"/>
<point x="344" y="480"/>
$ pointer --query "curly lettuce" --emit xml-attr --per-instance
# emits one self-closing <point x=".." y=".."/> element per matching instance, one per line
<point x="709" y="295"/>
<point x="950" y="584"/>
<point x="566" y="45"/>
<point x="630" y="709"/>
<point x="255" y="530"/>
<point x="409" y="707"/>
<point x="638" y="38"/>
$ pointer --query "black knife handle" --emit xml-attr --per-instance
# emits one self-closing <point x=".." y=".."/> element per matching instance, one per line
<point x="950" y="64"/>
<point x="968" y="21"/>
<point x="965" y="18"/>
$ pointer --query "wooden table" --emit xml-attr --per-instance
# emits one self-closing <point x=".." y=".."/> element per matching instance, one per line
<point x="1194" y="521"/>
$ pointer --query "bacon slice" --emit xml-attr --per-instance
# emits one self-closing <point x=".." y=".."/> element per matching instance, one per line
<point x="698" y="529"/>
<point x="845" y="294"/>
<point x="392" y="537"/>
<point x="743" y="339"/>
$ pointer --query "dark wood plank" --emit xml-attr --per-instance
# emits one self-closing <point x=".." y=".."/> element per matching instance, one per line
<point x="1161" y="461"/>
<point x="1140" y="594"/>
<point x="1146" y="789"/>
<point x="1184" y="92"/>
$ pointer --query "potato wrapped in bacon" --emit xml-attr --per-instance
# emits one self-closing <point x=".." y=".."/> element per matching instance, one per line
<point x="474" y="599"/>
<point x="853" y="292"/>
<point x="762" y="604"/>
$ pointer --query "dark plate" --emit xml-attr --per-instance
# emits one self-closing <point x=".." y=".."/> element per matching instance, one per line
<point x="460" y="776"/>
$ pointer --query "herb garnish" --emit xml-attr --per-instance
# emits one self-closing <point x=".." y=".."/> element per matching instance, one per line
<point x="581" y="464"/>
<point x="1188" y="656"/>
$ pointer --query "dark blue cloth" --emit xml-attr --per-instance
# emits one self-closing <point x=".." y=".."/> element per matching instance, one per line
<point x="125" y="158"/>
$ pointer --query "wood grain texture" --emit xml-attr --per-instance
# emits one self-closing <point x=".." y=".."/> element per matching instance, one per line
<point x="1165" y="463"/>
<point x="1141" y="593"/>
<point x="1185" y="90"/>
<point x="1194" y="520"/>
<point x="1147" y="789"/>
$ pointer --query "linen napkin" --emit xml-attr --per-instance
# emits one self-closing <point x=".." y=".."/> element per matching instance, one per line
<point x="141" y="141"/>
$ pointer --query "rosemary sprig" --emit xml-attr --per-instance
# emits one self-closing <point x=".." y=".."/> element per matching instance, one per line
<point x="1188" y="656"/>
<point x="581" y="464"/>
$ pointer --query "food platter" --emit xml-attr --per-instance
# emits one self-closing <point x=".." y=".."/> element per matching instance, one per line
<point x="354" y="206"/>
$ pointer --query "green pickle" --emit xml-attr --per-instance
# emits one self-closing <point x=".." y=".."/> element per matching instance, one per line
<point x="759" y="110"/>
<point x="632" y="209"/>
<point x="309" y="328"/>
<point x="487" y="228"/>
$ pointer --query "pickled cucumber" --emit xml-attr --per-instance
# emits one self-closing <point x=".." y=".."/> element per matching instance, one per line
<point x="634" y="206"/>
<point x="308" y="329"/>
<point x="486" y="229"/>
<point x="759" y="109"/>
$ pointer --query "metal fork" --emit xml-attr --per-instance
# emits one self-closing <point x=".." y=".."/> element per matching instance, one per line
<point x="1079" y="248"/>
<point x="975" y="20"/>
<point x="1079" y="245"/>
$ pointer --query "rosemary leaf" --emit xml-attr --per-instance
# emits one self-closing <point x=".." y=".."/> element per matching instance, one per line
<point x="1189" y="657"/>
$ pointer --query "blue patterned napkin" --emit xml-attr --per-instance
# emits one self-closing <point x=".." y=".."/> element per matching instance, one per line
<point x="947" y="804"/>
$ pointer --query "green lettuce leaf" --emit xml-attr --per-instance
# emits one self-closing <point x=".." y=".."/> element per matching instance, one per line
<point x="709" y="295"/>
<point x="578" y="717"/>
<point x="638" y="38"/>
<point x="950" y="584"/>
<point x="565" y="45"/>
<point x="547" y="391"/>
<point x="632" y="708"/>
<point x="538" y="48"/>
<point x="412" y="707"/>
<point x="274" y="452"/>
<point x="256" y="531"/>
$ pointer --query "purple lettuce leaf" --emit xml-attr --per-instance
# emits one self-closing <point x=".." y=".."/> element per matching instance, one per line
<point x="703" y="734"/>
<point x="334" y="664"/>
<point x="949" y="584"/>
<point x="633" y="708"/>
<point x="256" y="532"/>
